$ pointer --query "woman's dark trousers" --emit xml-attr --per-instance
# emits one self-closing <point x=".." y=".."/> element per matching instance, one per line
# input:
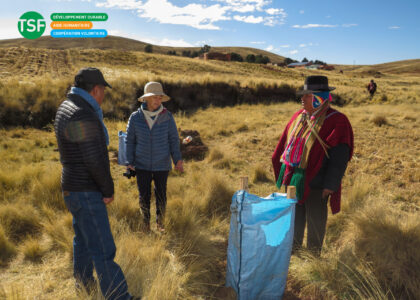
<point x="144" y="182"/>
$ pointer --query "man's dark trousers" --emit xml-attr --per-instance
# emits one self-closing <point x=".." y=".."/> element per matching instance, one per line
<point x="144" y="182"/>
<point x="93" y="244"/>
<point x="313" y="213"/>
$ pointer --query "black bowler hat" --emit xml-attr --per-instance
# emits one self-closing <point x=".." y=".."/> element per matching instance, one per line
<point x="315" y="84"/>
<point x="91" y="75"/>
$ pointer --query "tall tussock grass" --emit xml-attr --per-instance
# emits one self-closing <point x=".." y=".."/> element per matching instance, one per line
<point x="33" y="250"/>
<point x="7" y="248"/>
<point x="47" y="189"/>
<point x="58" y="228"/>
<point x="19" y="220"/>
<point x="217" y="197"/>
<point x="391" y="245"/>
<point x="332" y="278"/>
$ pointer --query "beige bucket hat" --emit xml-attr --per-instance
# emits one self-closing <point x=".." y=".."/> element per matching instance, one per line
<point x="153" y="88"/>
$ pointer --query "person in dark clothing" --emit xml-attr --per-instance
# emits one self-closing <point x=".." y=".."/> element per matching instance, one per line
<point x="87" y="183"/>
<point x="372" y="88"/>
<point x="152" y="140"/>
<point x="312" y="154"/>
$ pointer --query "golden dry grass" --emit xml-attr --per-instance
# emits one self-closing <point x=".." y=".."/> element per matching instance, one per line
<point x="371" y="246"/>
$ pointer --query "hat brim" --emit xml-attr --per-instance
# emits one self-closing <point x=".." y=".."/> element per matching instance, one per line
<point x="305" y="92"/>
<point x="107" y="84"/>
<point x="164" y="97"/>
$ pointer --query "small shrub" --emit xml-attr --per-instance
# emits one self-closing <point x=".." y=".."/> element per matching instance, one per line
<point x="260" y="175"/>
<point x="148" y="48"/>
<point x="7" y="249"/>
<point x="379" y="120"/>
<point x="242" y="128"/>
<point x="19" y="220"/>
<point x="60" y="232"/>
<point x="218" y="197"/>
<point x="127" y="210"/>
<point x="223" y="164"/>
<point x="215" y="155"/>
<point x="32" y="250"/>
<point x="47" y="190"/>
<point x="224" y="132"/>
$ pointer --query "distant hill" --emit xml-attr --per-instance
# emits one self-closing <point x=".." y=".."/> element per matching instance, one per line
<point x="125" y="44"/>
<point x="411" y="66"/>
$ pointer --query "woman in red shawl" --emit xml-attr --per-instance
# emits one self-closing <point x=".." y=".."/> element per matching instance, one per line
<point x="312" y="154"/>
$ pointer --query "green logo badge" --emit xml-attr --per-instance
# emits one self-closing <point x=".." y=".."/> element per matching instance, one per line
<point x="31" y="25"/>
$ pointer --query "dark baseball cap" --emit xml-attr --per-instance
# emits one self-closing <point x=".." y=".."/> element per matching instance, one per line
<point x="91" y="75"/>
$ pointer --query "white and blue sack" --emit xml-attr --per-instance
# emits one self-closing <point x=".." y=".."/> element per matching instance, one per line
<point x="260" y="245"/>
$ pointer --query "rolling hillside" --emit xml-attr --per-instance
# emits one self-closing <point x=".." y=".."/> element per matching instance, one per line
<point x="120" y="43"/>
<point x="406" y="67"/>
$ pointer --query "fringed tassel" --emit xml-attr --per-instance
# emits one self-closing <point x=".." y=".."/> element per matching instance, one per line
<point x="281" y="175"/>
<point x="298" y="180"/>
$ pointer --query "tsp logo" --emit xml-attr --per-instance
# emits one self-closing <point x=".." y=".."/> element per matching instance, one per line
<point x="31" y="25"/>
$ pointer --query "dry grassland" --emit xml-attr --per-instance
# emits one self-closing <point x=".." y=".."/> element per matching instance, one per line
<point x="371" y="251"/>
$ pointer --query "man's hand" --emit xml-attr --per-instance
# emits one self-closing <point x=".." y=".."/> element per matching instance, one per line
<point x="108" y="200"/>
<point x="326" y="193"/>
<point x="179" y="166"/>
<point x="131" y="167"/>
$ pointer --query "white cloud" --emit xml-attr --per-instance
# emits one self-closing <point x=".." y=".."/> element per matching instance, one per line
<point x="301" y="12"/>
<point x="202" y="43"/>
<point x="9" y="29"/>
<point x="257" y="4"/>
<point x="154" y="41"/>
<point x="257" y="43"/>
<point x="249" y="19"/>
<point x="202" y="16"/>
<point x="273" y="11"/>
<point x="269" y="48"/>
<point x="302" y="45"/>
<point x="293" y="52"/>
<point x="394" y="27"/>
<point x="175" y="43"/>
<point x="284" y="46"/>
<point x="244" y="9"/>
<point x="349" y="25"/>
<point x="314" y="26"/>
<point x="162" y="11"/>
<point x="121" y="4"/>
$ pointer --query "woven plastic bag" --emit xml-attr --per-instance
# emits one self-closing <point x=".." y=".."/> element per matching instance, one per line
<point x="260" y="245"/>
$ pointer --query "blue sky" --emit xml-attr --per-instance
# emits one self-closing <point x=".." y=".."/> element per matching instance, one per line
<point x="346" y="32"/>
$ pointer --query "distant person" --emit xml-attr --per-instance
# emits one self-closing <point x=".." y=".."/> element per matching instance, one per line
<point x="152" y="140"/>
<point x="87" y="183"/>
<point x="371" y="88"/>
<point x="312" y="154"/>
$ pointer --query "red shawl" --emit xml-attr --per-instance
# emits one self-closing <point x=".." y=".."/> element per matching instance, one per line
<point x="335" y="130"/>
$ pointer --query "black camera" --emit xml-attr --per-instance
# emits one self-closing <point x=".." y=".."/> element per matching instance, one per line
<point x="129" y="173"/>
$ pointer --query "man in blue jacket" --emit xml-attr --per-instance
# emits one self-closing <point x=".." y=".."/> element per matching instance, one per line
<point x="152" y="140"/>
<point x="87" y="183"/>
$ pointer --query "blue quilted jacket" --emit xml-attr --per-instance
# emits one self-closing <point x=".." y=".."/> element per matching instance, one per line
<point x="152" y="149"/>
